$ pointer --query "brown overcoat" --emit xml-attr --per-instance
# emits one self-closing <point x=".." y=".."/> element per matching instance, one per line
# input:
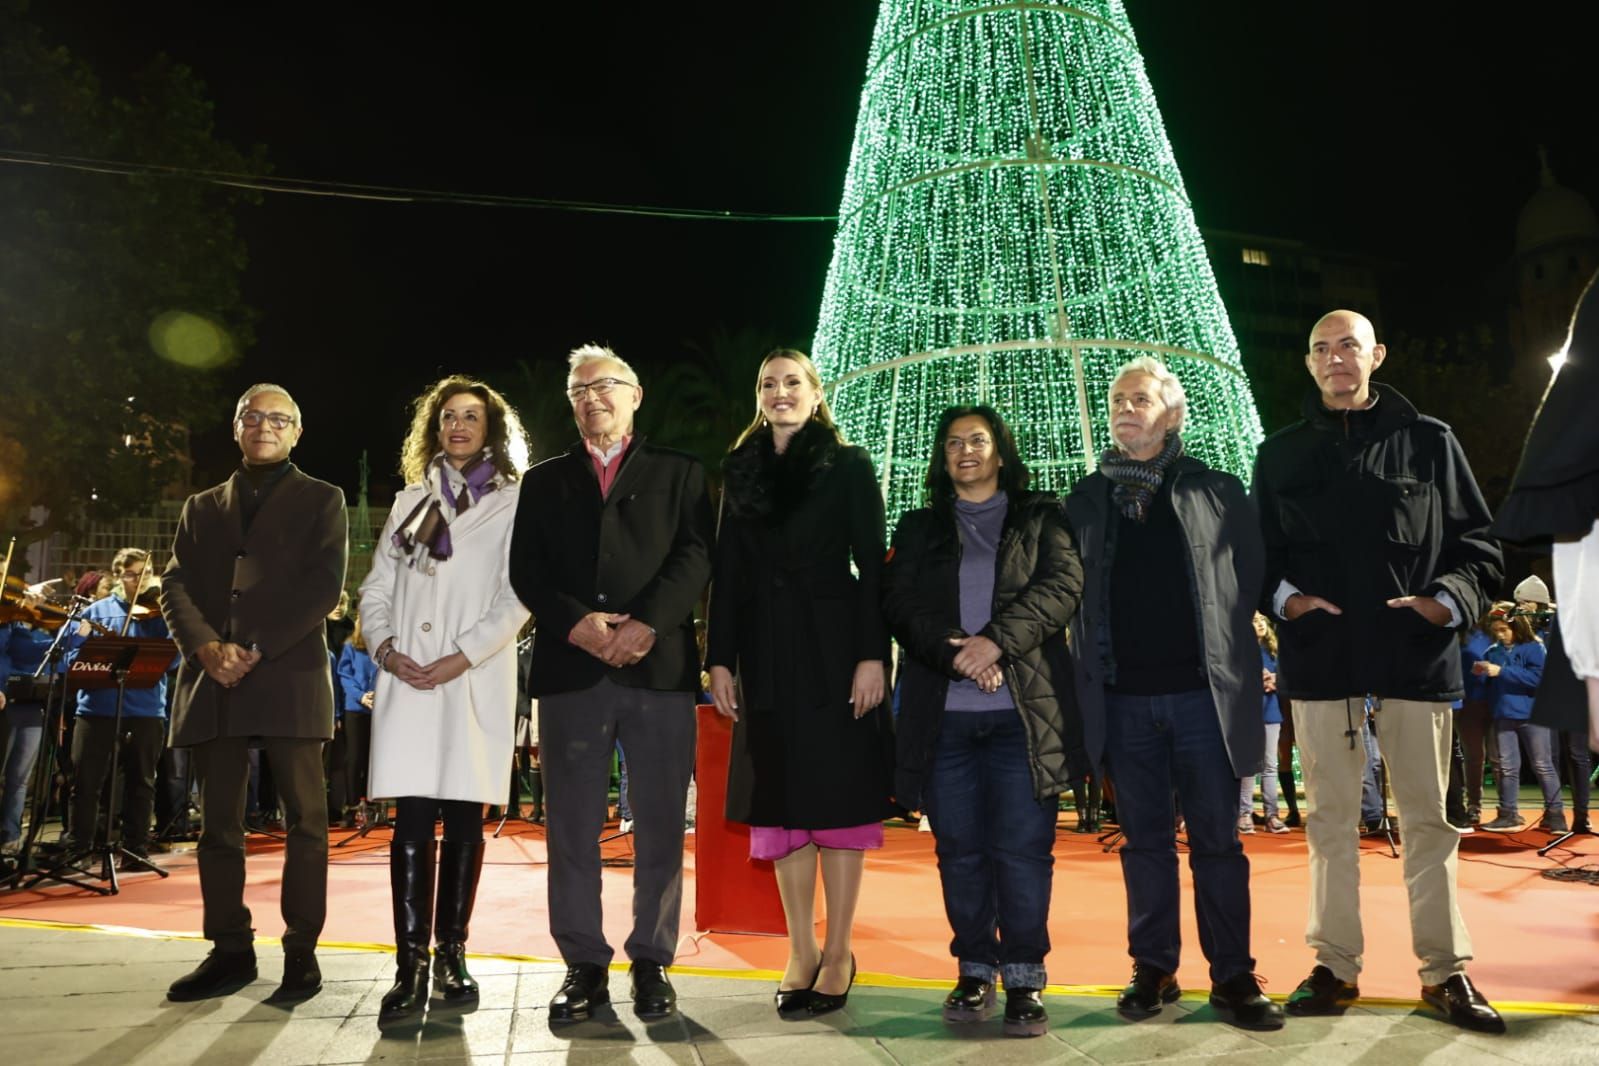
<point x="271" y="587"/>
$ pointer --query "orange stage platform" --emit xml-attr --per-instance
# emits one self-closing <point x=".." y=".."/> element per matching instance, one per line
<point x="1535" y="938"/>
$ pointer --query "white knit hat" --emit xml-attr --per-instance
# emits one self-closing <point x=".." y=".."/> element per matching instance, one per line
<point x="1532" y="590"/>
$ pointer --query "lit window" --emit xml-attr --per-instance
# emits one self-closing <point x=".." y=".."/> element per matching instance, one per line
<point x="1257" y="257"/>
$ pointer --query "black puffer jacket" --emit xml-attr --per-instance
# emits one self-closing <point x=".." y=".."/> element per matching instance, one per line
<point x="1038" y="581"/>
<point x="1358" y="508"/>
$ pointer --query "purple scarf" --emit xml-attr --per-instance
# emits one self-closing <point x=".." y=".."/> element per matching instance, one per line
<point x="426" y="524"/>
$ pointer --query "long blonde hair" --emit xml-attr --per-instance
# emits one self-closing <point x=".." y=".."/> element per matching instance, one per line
<point x="824" y="413"/>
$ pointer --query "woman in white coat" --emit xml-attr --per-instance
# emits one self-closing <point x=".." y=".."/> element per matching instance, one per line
<point x="441" y="620"/>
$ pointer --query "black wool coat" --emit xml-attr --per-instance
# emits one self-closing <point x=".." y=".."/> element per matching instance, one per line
<point x="1038" y="583"/>
<point x="791" y="621"/>
<point x="271" y="586"/>
<point x="644" y="550"/>
<point x="1222" y="535"/>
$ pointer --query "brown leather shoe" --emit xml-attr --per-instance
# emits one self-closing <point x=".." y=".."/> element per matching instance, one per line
<point x="1463" y="1005"/>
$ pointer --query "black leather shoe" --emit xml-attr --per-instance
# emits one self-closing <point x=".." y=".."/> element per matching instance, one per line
<point x="653" y="995"/>
<point x="971" y="1000"/>
<point x="822" y="1003"/>
<point x="1024" y="1012"/>
<point x="1321" y="993"/>
<point x="1147" y="992"/>
<point x="793" y="1000"/>
<point x="302" y="977"/>
<point x="221" y="973"/>
<point x="1239" y="1001"/>
<point x="1463" y="1005"/>
<point x="587" y="985"/>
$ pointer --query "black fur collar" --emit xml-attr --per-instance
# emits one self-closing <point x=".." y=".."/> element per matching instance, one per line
<point x="760" y="483"/>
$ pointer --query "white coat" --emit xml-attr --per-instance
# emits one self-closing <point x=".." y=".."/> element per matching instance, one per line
<point x="452" y="742"/>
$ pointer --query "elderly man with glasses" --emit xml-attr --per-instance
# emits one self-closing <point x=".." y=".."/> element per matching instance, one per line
<point x="611" y="552"/>
<point x="257" y="564"/>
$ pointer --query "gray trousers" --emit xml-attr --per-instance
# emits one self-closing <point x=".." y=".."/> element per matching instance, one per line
<point x="222" y="769"/>
<point x="577" y="733"/>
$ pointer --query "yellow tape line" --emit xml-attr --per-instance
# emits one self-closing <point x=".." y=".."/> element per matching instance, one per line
<point x="872" y="980"/>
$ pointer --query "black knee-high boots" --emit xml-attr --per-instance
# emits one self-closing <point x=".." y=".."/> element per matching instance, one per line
<point x="460" y="866"/>
<point x="411" y="869"/>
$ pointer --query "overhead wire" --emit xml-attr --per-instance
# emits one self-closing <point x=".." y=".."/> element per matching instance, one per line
<point x="385" y="193"/>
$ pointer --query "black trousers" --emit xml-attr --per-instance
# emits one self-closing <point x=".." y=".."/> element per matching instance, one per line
<point x="92" y="741"/>
<point x="222" y="768"/>
<point x="357" y="754"/>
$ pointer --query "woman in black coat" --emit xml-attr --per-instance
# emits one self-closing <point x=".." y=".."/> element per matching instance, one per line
<point x="978" y="591"/>
<point x="810" y="763"/>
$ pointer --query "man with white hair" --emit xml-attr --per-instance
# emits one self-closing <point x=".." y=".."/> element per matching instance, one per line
<point x="257" y="564"/>
<point x="1377" y="553"/>
<point x="611" y="552"/>
<point x="1169" y="686"/>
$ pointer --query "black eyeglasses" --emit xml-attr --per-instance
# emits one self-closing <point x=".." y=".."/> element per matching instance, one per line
<point x="598" y="387"/>
<point x="278" y="419"/>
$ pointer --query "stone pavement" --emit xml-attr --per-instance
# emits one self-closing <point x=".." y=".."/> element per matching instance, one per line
<point x="80" y="996"/>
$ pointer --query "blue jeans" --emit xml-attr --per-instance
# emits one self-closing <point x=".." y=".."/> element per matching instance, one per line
<point x="24" y="731"/>
<point x="1371" y="798"/>
<point x="1156" y="746"/>
<point x="1540" y="741"/>
<point x="1270" y="786"/>
<point x="995" y="844"/>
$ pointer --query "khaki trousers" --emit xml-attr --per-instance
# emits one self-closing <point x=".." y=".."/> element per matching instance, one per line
<point x="1416" y="740"/>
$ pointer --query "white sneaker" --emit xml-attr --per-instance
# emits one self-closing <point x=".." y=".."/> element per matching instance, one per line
<point x="625" y="825"/>
<point x="924" y="826"/>
<point x="1275" y="824"/>
<point x="1246" y="824"/>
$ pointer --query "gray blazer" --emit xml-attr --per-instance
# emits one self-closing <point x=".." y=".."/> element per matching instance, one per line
<point x="272" y="587"/>
<point x="1226" y="564"/>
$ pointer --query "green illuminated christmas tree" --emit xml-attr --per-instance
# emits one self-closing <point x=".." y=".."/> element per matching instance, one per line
<point x="1013" y="229"/>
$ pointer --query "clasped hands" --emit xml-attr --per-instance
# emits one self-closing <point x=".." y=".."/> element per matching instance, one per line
<point x="438" y="672"/>
<point x="227" y="663"/>
<point x="867" y="688"/>
<point x="614" y="639"/>
<point x="1300" y="604"/>
<point x="978" y="660"/>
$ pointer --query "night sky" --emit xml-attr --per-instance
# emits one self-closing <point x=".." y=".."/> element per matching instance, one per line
<point x="1410" y="136"/>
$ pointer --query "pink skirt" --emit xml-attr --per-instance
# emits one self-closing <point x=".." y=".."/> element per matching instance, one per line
<point x="770" y="842"/>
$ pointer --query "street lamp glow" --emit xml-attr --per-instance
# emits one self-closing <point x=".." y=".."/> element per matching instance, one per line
<point x="1557" y="360"/>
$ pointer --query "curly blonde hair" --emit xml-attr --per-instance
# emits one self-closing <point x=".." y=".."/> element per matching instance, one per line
<point x="504" y="433"/>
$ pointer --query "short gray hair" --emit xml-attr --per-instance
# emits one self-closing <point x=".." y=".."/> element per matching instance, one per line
<point x="256" y="390"/>
<point x="1171" y="389"/>
<point x="597" y="353"/>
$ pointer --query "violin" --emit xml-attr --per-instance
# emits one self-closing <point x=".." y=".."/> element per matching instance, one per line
<point x="148" y="605"/>
<point x="15" y="607"/>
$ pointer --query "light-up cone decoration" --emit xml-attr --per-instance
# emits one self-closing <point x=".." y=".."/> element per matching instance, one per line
<point x="1013" y="229"/>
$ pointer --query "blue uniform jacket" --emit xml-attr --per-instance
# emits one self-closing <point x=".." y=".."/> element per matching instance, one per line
<point x="1520" y="670"/>
<point x="358" y="675"/>
<point x="139" y="702"/>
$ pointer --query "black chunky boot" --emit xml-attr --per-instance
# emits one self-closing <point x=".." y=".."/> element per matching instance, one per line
<point x="460" y="864"/>
<point x="411" y="882"/>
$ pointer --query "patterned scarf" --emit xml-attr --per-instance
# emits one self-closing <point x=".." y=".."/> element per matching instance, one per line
<point x="426" y="524"/>
<point x="1137" y="480"/>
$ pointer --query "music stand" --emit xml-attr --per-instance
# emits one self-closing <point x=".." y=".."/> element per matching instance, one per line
<point x="44" y="767"/>
<point x="123" y="663"/>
